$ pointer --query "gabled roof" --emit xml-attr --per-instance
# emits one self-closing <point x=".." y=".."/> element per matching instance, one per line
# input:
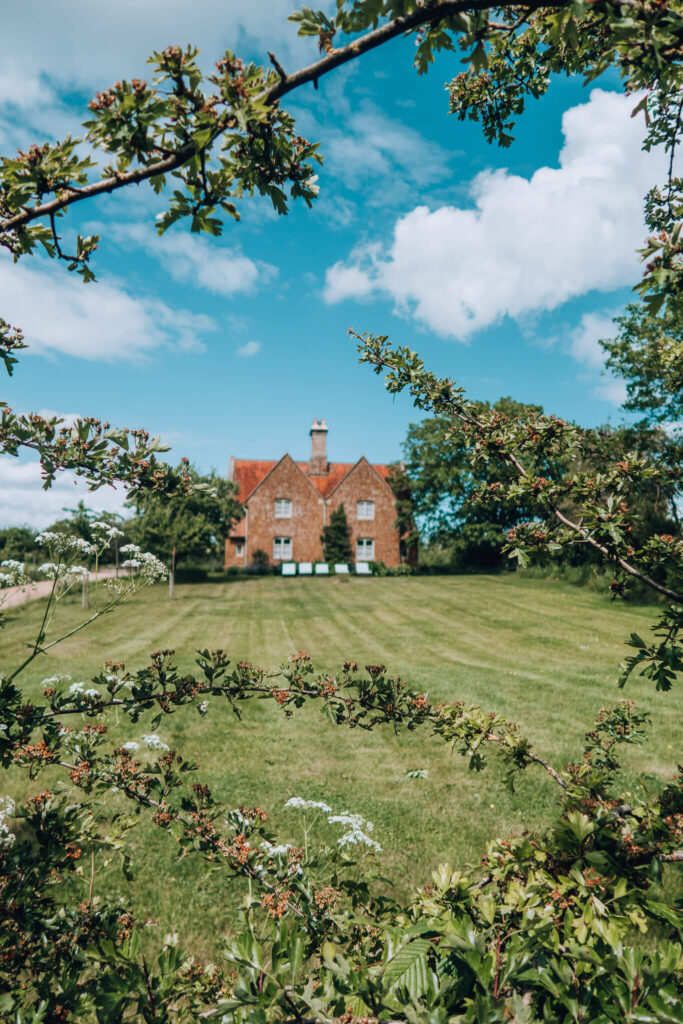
<point x="249" y="473"/>
<point x="381" y="470"/>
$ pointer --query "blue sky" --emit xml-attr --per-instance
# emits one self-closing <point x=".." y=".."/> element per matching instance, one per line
<point x="502" y="267"/>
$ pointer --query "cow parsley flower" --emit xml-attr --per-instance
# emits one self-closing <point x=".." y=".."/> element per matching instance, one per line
<point x="131" y="746"/>
<point x="105" y="530"/>
<point x="64" y="544"/>
<point x="297" y="801"/>
<point x="357" y="830"/>
<point x="56" y="571"/>
<point x="153" y="742"/>
<point x="275" y="851"/>
<point x="57" y="679"/>
<point x="357" y="837"/>
<point x="12" y="574"/>
<point x="6" y="837"/>
<point x="149" y="566"/>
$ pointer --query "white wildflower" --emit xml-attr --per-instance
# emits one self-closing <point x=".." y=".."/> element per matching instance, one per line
<point x="357" y="827"/>
<point x="275" y="851"/>
<point x="203" y="707"/>
<point x="297" y="801"/>
<point x="131" y="563"/>
<point x="57" y="679"/>
<point x="310" y="184"/>
<point x="13" y="574"/>
<point x="6" y="837"/>
<point x="64" y="544"/>
<point x="356" y="837"/>
<point x="131" y="746"/>
<point x="351" y="820"/>
<point x="153" y="742"/>
<point x="76" y="688"/>
<point x="55" y="571"/>
<point x="132" y="548"/>
<point x="106" y="531"/>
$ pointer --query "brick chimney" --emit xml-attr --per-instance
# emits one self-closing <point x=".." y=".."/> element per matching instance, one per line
<point x="318" y="464"/>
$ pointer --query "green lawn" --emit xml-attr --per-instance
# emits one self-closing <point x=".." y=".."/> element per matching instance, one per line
<point x="544" y="653"/>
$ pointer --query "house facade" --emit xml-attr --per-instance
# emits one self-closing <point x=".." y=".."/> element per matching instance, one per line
<point x="288" y="503"/>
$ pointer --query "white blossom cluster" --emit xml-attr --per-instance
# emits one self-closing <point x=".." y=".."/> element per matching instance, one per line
<point x="153" y="742"/>
<point x="6" y="811"/>
<point x="357" y="827"/>
<point x="64" y="544"/>
<point x="12" y="574"/>
<point x="105" y="532"/>
<point x="77" y="690"/>
<point x="147" y="564"/>
<point x="275" y="851"/>
<point x="303" y="805"/>
<point x="57" y="680"/>
<point x="58" y="571"/>
<point x="357" y="830"/>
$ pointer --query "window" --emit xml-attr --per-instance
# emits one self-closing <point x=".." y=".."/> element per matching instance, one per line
<point x="282" y="549"/>
<point x="239" y="548"/>
<point x="365" y="509"/>
<point x="365" y="549"/>
<point x="283" y="508"/>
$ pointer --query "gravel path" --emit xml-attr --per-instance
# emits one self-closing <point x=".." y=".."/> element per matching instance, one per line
<point x="14" y="596"/>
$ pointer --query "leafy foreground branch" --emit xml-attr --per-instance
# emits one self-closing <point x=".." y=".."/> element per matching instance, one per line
<point x="545" y="928"/>
<point x="583" y="506"/>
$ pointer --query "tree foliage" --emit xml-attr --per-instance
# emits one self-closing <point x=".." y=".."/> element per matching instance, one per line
<point x="336" y="537"/>
<point x="186" y="527"/>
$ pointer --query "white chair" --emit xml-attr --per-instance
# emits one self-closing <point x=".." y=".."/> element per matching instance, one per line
<point x="341" y="569"/>
<point x="363" y="569"/>
<point x="289" y="568"/>
<point x="305" y="568"/>
<point x="322" y="569"/>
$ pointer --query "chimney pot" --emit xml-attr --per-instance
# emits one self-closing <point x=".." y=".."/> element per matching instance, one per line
<point x="318" y="464"/>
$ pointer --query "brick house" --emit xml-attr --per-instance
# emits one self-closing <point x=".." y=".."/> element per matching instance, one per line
<point x="287" y="504"/>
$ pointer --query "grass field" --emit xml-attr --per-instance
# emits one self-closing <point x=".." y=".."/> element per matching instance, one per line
<point x="544" y="653"/>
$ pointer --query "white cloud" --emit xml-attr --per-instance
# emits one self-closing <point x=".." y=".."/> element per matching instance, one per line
<point x="369" y="151"/>
<point x="250" y="349"/>
<point x="101" y="42"/>
<point x="23" y="502"/>
<point x="584" y="345"/>
<point x="585" y="339"/>
<point x="524" y="245"/>
<point x="195" y="260"/>
<point x="58" y="313"/>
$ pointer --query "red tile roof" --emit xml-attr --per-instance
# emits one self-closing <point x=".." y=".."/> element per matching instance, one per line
<point x="249" y="473"/>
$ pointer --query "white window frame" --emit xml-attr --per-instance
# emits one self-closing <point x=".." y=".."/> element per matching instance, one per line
<point x="282" y="508"/>
<point x="365" y="549"/>
<point x="282" y="549"/>
<point x="365" y="509"/>
<point x="239" y="549"/>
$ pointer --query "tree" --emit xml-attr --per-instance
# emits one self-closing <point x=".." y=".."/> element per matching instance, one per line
<point x="648" y="354"/>
<point x="336" y="538"/>
<point x="17" y="542"/>
<point x="548" y="926"/>
<point x="187" y="526"/>
<point x="445" y="482"/>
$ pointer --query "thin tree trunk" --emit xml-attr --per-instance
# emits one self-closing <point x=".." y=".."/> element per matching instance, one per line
<point x="171" y="576"/>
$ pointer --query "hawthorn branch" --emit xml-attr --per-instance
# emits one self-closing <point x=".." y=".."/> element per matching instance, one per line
<point x="427" y="14"/>
<point x="511" y="458"/>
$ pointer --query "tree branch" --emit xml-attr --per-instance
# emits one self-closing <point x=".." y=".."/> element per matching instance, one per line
<point x="426" y="14"/>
